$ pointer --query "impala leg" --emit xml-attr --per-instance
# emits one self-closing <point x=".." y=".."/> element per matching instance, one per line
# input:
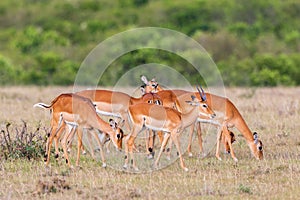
<point x="228" y="141"/>
<point x="129" y="143"/>
<point x="79" y="144"/>
<point x="48" y="149"/>
<point x="169" y="149"/>
<point x="160" y="135"/>
<point x="163" y="146"/>
<point x="100" y="147"/>
<point x="57" y="136"/>
<point x="150" y="143"/>
<point x="126" y="151"/>
<point x="175" y="136"/>
<point x="70" y="138"/>
<point x="64" y="143"/>
<point x="91" y="144"/>
<point x="130" y="148"/>
<point x="147" y="134"/>
<point x="191" y="140"/>
<point x="107" y="145"/>
<point x="199" y="134"/>
<point x="49" y="144"/>
<point x="219" y="137"/>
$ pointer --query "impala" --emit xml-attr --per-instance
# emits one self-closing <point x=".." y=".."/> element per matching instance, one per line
<point x="163" y="119"/>
<point x="232" y="118"/>
<point x="76" y="109"/>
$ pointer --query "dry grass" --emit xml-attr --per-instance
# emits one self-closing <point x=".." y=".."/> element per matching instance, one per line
<point x="272" y="112"/>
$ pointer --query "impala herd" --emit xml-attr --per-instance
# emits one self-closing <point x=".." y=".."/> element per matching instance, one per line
<point x="165" y="113"/>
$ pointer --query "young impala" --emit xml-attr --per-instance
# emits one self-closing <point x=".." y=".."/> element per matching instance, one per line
<point x="71" y="108"/>
<point x="163" y="119"/>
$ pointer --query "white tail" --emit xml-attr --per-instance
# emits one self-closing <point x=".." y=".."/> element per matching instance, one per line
<point x="41" y="105"/>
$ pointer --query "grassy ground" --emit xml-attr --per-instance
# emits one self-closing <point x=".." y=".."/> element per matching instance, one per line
<point x="272" y="112"/>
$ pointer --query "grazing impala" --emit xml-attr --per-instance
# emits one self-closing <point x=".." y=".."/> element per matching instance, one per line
<point x="163" y="119"/>
<point x="232" y="118"/>
<point x="79" y="110"/>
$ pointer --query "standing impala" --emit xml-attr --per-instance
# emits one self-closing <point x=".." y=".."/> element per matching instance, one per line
<point x="79" y="110"/>
<point x="163" y="119"/>
<point x="232" y="118"/>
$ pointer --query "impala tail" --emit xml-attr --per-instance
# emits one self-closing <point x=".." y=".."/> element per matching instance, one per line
<point x="42" y="105"/>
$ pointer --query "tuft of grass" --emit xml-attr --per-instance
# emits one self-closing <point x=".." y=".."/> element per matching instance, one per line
<point x="21" y="143"/>
<point x="244" y="189"/>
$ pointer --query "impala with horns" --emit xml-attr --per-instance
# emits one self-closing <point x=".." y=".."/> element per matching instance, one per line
<point x="232" y="118"/>
<point x="163" y="119"/>
<point x="72" y="108"/>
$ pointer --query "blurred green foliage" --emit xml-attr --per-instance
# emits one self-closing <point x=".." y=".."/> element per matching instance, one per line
<point x="253" y="43"/>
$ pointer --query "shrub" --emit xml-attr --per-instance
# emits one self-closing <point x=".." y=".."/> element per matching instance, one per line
<point x="22" y="144"/>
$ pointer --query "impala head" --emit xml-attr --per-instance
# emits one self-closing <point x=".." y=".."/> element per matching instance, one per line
<point x="257" y="147"/>
<point x="152" y="98"/>
<point x="204" y="109"/>
<point x="117" y="135"/>
<point x="149" y="86"/>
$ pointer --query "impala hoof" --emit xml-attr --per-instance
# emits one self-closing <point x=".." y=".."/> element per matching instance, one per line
<point x="202" y="155"/>
<point x="136" y="169"/>
<point x="219" y="158"/>
<point x="150" y="156"/>
<point x="185" y="169"/>
<point x="235" y="159"/>
<point x="104" y="165"/>
<point x="190" y="154"/>
<point x="125" y="166"/>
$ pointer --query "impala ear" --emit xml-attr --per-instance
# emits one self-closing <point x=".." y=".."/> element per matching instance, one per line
<point x="112" y="123"/>
<point x="142" y="88"/>
<point x="255" y="137"/>
<point x="192" y="103"/>
<point x="144" y="79"/>
<point x="153" y="79"/>
<point x="193" y="97"/>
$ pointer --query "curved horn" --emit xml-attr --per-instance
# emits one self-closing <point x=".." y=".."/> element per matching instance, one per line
<point x="202" y="93"/>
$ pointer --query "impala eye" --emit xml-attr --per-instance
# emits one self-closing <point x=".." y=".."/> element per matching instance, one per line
<point x="204" y="106"/>
<point x="118" y="136"/>
<point x="150" y="101"/>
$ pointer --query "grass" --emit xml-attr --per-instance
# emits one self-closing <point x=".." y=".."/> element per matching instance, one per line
<point x="272" y="112"/>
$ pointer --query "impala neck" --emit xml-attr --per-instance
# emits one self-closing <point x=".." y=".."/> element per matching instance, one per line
<point x="244" y="129"/>
<point x="102" y="125"/>
<point x="189" y="118"/>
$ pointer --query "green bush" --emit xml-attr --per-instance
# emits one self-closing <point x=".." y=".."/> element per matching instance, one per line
<point x="8" y="73"/>
<point x="253" y="43"/>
